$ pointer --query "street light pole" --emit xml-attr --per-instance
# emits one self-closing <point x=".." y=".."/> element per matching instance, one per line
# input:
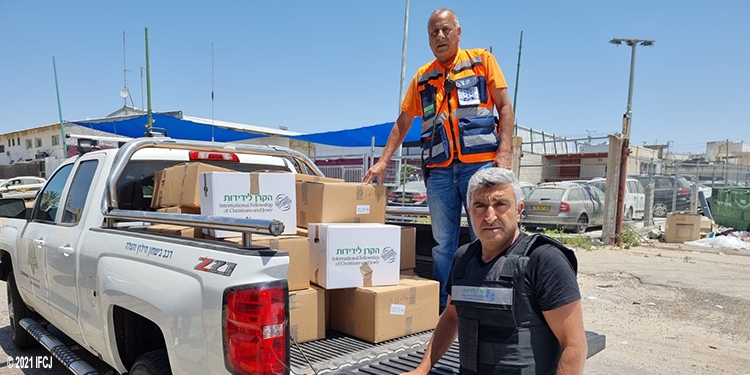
<point x="626" y="120"/>
<point x="401" y="90"/>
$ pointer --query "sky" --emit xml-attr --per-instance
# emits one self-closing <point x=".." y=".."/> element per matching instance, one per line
<point x="314" y="66"/>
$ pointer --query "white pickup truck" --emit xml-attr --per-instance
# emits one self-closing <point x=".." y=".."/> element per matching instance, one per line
<point x="142" y="302"/>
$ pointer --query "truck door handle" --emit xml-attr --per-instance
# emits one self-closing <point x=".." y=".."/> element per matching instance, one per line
<point x="39" y="243"/>
<point x="66" y="250"/>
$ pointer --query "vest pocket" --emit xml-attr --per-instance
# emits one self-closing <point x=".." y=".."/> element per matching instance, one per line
<point x="471" y="91"/>
<point x="435" y="146"/>
<point x="468" y="335"/>
<point x="427" y="94"/>
<point x="478" y="134"/>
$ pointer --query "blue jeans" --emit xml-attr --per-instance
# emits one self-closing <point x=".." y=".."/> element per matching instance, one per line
<point x="446" y="195"/>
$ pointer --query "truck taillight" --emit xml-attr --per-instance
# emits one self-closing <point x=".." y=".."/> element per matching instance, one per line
<point x="683" y="191"/>
<point x="215" y="156"/>
<point x="255" y="329"/>
<point x="564" y="207"/>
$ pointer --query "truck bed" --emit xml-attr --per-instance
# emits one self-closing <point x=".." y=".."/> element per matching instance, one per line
<point x="342" y="354"/>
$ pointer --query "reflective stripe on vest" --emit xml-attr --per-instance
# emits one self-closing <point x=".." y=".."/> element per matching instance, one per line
<point x="458" y="124"/>
<point x="498" y="329"/>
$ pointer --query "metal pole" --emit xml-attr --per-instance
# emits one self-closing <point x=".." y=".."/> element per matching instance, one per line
<point x="515" y="93"/>
<point x="212" y="92"/>
<point x="626" y="121"/>
<point x="59" y="110"/>
<point x="401" y="88"/>
<point x="626" y="132"/>
<point x="148" y="85"/>
<point x="124" y="71"/>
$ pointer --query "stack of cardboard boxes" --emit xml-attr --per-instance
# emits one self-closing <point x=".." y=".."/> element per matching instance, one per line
<point x="348" y="271"/>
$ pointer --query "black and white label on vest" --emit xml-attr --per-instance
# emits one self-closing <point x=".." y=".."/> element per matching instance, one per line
<point x="492" y="296"/>
<point x="468" y="92"/>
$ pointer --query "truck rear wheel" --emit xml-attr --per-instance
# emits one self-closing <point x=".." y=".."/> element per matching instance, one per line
<point x="152" y="363"/>
<point x="18" y="310"/>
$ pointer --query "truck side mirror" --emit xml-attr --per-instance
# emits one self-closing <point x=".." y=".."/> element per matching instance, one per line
<point x="13" y="208"/>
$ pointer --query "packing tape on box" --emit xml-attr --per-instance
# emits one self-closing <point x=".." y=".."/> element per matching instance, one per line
<point x="412" y="295"/>
<point x="366" y="274"/>
<point x="293" y="303"/>
<point x="294" y="331"/>
<point x="254" y="184"/>
<point x="409" y="325"/>
<point x="350" y="326"/>
<point x="273" y="243"/>
<point x="304" y="192"/>
<point x="351" y="295"/>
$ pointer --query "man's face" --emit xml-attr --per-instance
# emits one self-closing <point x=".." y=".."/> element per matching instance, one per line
<point x="494" y="215"/>
<point x="444" y="36"/>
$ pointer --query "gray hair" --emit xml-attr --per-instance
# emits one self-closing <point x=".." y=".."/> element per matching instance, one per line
<point x="489" y="177"/>
<point x="441" y="11"/>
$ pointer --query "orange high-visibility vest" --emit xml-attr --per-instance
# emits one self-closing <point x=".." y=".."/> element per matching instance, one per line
<point x="458" y="119"/>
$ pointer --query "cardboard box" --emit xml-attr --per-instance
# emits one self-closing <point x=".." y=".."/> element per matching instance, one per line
<point x="408" y="248"/>
<point x="307" y="314"/>
<point x="256" y="195"/>
<point x="682" y="227"/>
<point x="298" y="275"/>
<point x="307" y="177"/>
<point x="343" y="202"/>
<point x="179" y="184"/>
<point x="181" y="210"/>
<point x="407" y="273"/>
<point x="707" y="225"/>
<point x="156" y="193"/>
<point x="352" y="255"/>
<point x="377" y="314"/>
<point x="176" y="230"/>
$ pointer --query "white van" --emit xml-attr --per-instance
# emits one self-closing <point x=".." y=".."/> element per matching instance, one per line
<point x="635" y="197"/>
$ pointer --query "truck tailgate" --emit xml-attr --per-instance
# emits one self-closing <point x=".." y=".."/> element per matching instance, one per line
<point x="341" y="354"/>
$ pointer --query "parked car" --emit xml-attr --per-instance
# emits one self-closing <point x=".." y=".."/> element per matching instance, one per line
<point x="665" y="189"/>
<point x="24" y="187"/>
<point x="412" y="193"/>
<point x="571" y="205"/>
<point x="526" y="188"/>
<point x="635" y="197"/>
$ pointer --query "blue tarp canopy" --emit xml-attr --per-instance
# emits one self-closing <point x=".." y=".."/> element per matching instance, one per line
<point x="362" y="137"/>
<point x="135" y="127"/>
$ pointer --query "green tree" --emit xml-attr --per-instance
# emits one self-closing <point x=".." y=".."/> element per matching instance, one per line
<point x="406" y="171"/>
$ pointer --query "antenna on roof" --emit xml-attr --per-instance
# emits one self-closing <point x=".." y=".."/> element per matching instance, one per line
<point x="125" y="93"/>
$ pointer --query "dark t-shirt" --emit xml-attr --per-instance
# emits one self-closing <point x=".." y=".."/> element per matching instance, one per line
<point x="550" y="279"/>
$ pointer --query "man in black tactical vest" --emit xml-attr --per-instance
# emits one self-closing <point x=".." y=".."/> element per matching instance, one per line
<point x="514" y="301"/>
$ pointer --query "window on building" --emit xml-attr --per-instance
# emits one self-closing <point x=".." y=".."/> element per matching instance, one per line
<point x="2" y="149"/>
<point x="19" y="141"/>
<point x="38" y="142"/>
<point x="55" y="140"/>
<point x="14" y="142"/>
<point x="28" y="143"/>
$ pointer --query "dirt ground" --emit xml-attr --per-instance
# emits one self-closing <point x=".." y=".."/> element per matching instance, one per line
<point x="665" y="309"/>
<point x="668" y="309"/>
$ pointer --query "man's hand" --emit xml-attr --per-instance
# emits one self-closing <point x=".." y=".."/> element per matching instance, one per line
<point x="501" y="161"/>
<point x="377" y="170"/>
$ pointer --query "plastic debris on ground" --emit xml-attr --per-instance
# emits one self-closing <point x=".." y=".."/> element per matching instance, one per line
<point x="721" y="241"/>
